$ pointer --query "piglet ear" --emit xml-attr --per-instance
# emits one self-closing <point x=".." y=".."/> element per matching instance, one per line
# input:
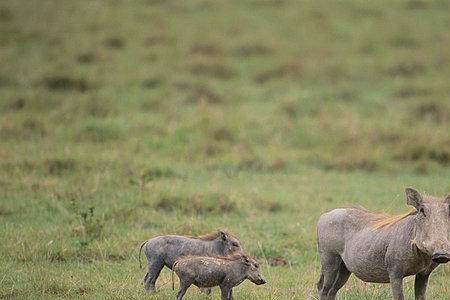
<point x="447" y="199"/>
<point x="413" y="198"/>
<point x="223" y="235"/>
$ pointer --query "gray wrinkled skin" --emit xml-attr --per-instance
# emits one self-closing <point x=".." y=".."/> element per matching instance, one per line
<point x="225" y="272"/>
<point x="165" y="250"/>
<point x="348" y="242"/>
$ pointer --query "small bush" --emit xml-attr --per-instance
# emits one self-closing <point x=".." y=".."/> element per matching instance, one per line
<point x="90" y="228"/>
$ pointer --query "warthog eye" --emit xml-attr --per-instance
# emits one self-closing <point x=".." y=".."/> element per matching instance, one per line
<point x="234" y="244"/>
<point x="422" y="211"/>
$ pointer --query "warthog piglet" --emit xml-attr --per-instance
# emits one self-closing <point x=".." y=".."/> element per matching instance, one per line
<point x="225" y="272"/>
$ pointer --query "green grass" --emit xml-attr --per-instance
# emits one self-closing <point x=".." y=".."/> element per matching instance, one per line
<point x="122" y="120"/>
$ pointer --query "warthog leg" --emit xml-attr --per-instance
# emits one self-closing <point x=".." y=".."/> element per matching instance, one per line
<point x="420" y="286"/>
<point x="397" y="287"/>
<point x="154" y="268"/>
<point x="330" y="281"/>
<point x="341" y="279"/>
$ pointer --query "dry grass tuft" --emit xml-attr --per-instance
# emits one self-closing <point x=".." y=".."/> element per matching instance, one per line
<point x="65" y="83"/>
<point x="114" y="42"/>
<point x="206" y="49"/>
<point x="203" y="93"/>
<point x="216" y="70"/>
<point x="292" y="70"/>
<point x="255" y="49"/>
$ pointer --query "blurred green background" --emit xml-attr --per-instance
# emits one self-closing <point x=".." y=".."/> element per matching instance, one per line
<point x="122" y="120"/>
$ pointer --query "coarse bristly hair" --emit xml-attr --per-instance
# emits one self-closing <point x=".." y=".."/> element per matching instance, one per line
<point x="385" y="221"/>
<point x="212" y="236"/>
<point x="232" y="257"/>
<point x="379" y="220"/>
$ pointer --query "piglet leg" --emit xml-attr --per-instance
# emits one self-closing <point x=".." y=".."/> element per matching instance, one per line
<point x="226" y="293"/>
<point x="182" y="291"/>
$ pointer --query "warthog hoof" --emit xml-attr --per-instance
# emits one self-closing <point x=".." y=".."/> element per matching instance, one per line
<point x="206" y="291"/>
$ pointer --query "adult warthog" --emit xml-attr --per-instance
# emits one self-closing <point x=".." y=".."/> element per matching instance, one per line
<point x="165" y="250"/>
<point x="382" y="249"/>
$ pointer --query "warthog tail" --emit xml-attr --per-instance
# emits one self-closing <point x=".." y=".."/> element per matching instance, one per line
<point x="140" y="250"/>
<point x="173" y="271"/>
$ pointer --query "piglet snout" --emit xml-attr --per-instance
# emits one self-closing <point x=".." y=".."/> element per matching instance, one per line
<point x="261" y="281"/>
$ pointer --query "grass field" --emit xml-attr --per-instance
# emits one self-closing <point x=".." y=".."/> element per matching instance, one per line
<point x="122" y="120"/>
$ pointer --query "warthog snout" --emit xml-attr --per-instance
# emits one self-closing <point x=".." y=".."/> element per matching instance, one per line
<point x="441" y="258"/>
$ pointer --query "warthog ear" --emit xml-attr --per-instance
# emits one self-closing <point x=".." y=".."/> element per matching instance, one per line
<point x="223" y="235"/>
<point x="413" y="198"/>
